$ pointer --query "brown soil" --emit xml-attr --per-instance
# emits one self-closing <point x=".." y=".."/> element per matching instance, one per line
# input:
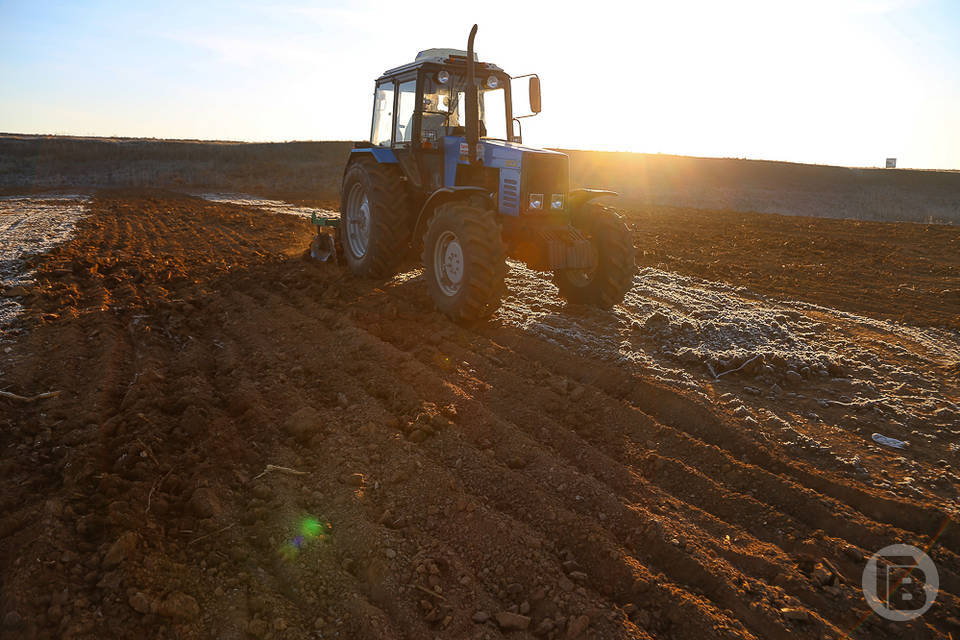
<point x="443" y="474"/>
<point x="903" y="271"/>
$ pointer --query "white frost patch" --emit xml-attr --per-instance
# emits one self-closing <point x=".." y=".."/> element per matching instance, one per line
<point x="685" y="330"/>
<point x="270" y="206"/>
<point x="30" y="225"/>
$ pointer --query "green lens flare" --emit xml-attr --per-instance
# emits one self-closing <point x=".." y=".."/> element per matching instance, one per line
<point x="311" y="528"/>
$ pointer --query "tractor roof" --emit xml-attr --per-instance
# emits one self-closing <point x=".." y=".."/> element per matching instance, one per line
<point x="444" y="57"/>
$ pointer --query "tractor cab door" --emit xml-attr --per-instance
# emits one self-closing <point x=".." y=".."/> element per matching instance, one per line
<point x="406" y="127"/>
<point x="407" y="118"/>
<point x="395" y="120"/>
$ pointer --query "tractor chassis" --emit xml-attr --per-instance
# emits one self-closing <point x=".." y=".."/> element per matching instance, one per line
<point x="547" y="242"/>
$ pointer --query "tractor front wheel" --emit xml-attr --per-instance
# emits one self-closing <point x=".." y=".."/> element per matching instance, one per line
<point x="608" y="282"/>
<point x="464" y="261"/>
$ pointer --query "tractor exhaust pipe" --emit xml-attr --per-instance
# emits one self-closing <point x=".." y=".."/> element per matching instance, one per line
<point x="473" y="110"/>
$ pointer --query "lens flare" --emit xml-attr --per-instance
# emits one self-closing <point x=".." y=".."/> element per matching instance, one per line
<point x="309" y="530"/>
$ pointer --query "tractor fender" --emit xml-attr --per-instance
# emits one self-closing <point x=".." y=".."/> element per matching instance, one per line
<point x="442" y="195"/>
<point x="366" y="153"/>
<point x="382" y="155"/>
<point x="579" y="197"/>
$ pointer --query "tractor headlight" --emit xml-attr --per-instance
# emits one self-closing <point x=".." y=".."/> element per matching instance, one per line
<point x="556" y="201"/>
<point x="443" y="76"/>
<point x="493" y="82"/>
<point x="536" y="201"/>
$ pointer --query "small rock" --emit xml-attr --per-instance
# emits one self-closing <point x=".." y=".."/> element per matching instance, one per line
<point x="205" y="503"/>
<point x="566" y="584"/>
<point x="179" y="605"/>
<point x="578" y="575"/>
<point x="775" y="391"/>
<point x="55" y="613"/>
<point x="258" y="604"/>
<point x="480" y="617"/>
<point x="139" y="602"/>
<point x="354" y="479"/>
<point x="450" y="411"/>
<point x="14" y="292"/>
<point x="577" y="626"/>
<point x="120" y="550"/>
<point x="258" y="628"/>
<point x="793" y="377"/>
<point x="546" y="626"/>
<point x="342" y="400"/>
<point x="12" y="620"/>
<point x="390" y="553"/>
<point x="853" y="553"/>
<point x="303" y="424"/>
<point x="799" y="615"/>
<point x="822" y="575"/>
<point x="417" y="435"/>
<point x="512" y="621"/>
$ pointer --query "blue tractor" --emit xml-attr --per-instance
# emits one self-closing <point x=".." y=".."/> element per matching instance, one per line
<point x="446" y="173"/>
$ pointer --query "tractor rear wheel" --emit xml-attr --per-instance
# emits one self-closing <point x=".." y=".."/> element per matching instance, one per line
<point x="375" y="219"/>
<point x="608" y="282"/>
<point x="464" y="261"/>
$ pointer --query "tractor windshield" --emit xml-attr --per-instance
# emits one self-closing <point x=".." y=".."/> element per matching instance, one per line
<point x="444" y="105"/>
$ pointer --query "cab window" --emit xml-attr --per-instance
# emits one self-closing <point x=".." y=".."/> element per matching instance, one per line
<point x="493" y="112"/>
<point x="382" y="115"/>
<point x="405" y="108"/>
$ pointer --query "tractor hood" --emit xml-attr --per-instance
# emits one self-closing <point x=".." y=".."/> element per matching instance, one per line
<point x="502" y="148"/>
<point x="522" y="171"/>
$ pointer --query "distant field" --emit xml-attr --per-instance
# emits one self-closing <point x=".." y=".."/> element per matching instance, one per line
<point x="313" y="169"/>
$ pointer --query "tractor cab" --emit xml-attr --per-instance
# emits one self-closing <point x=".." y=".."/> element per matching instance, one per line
<point x="420" y="112"/>
<point x="429" y="96"/>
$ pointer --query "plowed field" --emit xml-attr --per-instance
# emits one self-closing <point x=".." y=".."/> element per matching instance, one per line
<point x="247" y="443"/>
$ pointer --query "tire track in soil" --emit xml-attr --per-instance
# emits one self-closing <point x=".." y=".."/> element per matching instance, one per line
<point x="209" y="349"/>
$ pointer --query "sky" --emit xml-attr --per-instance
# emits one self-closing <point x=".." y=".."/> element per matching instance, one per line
<point x="847" y="82"/>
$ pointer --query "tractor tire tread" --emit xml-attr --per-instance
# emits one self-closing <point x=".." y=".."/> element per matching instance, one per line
<point x="484" y="256"/>
<point x="617" y="266"/>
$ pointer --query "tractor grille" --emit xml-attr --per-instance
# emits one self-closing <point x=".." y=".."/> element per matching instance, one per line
<point x="511" y="193"/>
<point x="543" y="173"/>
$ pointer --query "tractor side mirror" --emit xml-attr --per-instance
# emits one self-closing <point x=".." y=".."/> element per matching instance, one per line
<point x="535" y="94"/>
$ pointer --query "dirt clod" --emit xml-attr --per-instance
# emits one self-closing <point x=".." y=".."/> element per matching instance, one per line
<point x="180" y="606"/>
<point x="509" y="621"/>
